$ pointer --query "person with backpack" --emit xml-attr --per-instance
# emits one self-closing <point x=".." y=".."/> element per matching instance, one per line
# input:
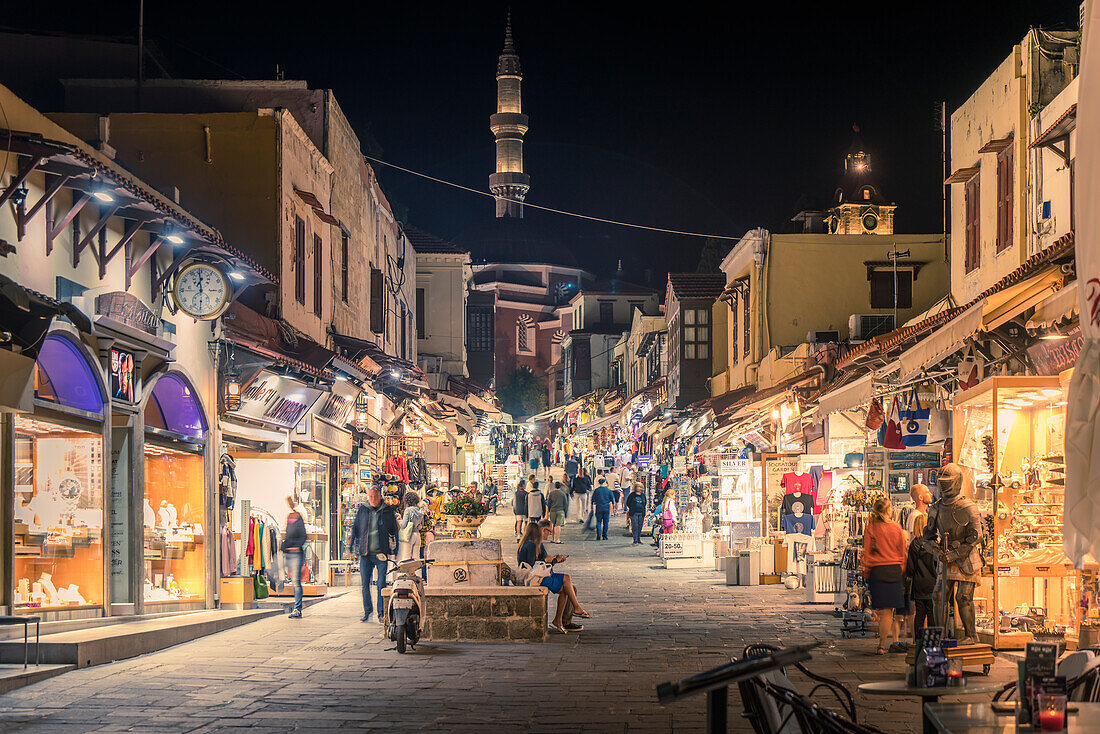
<point x="635" y="511"/>
<point x="536" y="503"/>
<point x="519" y="507"/>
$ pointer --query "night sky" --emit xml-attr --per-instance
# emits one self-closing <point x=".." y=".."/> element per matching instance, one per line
<point x="687" y="119"/>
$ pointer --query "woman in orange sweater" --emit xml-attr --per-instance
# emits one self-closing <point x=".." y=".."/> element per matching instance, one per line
<point x="883" y="565"/>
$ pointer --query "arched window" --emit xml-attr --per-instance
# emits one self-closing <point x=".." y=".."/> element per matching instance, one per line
<point x="525" y="336"/>
<point x="66" y="377"/>
<point x="174" y="406"/>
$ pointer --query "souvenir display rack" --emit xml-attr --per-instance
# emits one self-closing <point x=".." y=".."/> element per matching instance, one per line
<point x="1011" y="433"/>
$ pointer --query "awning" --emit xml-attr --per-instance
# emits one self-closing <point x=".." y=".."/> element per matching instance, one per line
<point x="1006" y="304"/>
<point x="962" y="175"/>
<point x="596" y="425"/>
<point x="940" y="343"/>
<point x="1061" y="128"/>
<point x="853" y="395"/>
<point x="1059" y="307"/>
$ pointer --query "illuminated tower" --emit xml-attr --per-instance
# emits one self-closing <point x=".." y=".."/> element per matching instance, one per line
<point x="509" y="125"/>
<point x="858" y="206"/>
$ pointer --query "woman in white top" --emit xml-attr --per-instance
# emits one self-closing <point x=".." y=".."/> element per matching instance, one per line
<point x="669" y="512"/>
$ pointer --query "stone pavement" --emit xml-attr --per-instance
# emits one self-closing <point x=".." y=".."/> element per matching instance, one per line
<point x="330" y="672"/>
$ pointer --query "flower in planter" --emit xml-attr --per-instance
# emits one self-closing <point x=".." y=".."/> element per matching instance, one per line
<point x="466" y="504"/>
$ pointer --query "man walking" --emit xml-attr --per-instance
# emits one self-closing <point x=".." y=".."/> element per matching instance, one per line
<point x="374" y="540"/>
<point x="635" y="511"/>
<point x="557" y="503"/>
<point x="602" y="498"/>
<point x="581" y="488"/>
<point x="536" y="502"/>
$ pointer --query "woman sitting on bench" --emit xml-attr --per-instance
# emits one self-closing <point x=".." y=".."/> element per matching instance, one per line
<point x="531" y="551"/>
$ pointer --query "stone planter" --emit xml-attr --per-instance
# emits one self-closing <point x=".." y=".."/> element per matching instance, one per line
<point x="467" y="523"/>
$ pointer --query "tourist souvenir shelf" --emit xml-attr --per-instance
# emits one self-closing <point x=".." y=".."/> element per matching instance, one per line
<point x="1011" y="432"/>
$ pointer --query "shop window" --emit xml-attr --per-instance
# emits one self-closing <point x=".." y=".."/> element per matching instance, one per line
<point x="64" y="376"/>
<point x="175" y="569"/>
<point x="882" y="289"/>
<point x="58" y="528"/>
<point x="265" y="481"/>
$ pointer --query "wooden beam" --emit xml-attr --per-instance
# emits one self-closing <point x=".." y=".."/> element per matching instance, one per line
<point x="96" y="228"/>
<point x="105" y="257"/>
<point x="132" y="268"/>
<point x="56" y="186"/>
<point x="52" y="230"/>
<point x="20" y="177"/>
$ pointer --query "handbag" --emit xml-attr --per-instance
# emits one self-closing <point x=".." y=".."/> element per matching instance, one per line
<point x="666" y="520"/>
<point x="892" y="439"/>
<point x="875" y="415"/>
<point x="970" y="370"/>
<point x="259" y="585"/>
<point x="914" y="422"/>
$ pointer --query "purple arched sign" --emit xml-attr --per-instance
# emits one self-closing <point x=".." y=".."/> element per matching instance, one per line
<point x="66" y="377"/>
<point x="176" y="408"/>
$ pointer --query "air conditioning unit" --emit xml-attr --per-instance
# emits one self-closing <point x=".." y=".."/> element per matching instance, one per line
<point x="822" y="337"/>
<point x="864" y="326"/>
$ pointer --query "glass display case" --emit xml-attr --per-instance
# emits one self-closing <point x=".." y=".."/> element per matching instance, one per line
<point x="1010" y="432"/>
<point x="175" y="569"/>
<point x="58" y="523"/>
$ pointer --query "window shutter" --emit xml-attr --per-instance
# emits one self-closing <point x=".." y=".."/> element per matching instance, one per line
<point x="300" y="260"/>
<point x="1004" y="199"/>
<point x="420" y="315"/>
<point x="582" y="364"/>
<point x="377" y="301"/>
<point x="318" y="273"/>
<point x="973" y="212"/>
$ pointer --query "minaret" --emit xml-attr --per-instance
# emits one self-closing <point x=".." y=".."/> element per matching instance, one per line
<point x="509" y="125"/>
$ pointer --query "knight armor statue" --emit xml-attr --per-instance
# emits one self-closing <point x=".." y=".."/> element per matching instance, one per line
<point x="954" y="524"/>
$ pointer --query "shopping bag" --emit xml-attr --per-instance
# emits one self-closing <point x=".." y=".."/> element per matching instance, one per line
<point x="892" y="438"/>
<point x="914" y="424"/>
<point x="259" y="584"/>
<point x="971" y="369"/>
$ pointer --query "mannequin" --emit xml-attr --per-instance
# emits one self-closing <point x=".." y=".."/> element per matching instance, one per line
<point x="150" y="516"/>
<point x="954" y="524"/>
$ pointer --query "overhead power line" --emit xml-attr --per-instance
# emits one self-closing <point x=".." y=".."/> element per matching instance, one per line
<point x="551" y="209"/>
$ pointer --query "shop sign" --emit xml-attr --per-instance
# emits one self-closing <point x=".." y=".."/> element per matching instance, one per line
<point x="1052" y="357"/>
<point x="643" y="461"/>
<point x="914" y="460"/>
<point x="682" y="545"/>
<point x="276" y="400"/>
<point x="316" y="430"/>
<point x="126" y="308"/>
<point x="728" y="467"/>
<point x="121" y="367"/>
<point x="339" y="404"/>
<point x="679" y="463"/>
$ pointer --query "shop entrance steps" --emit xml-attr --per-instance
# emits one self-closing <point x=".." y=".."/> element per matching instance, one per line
<point x="102" y="644"/>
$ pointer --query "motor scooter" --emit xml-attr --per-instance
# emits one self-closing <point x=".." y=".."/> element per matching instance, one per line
<point x="404" y="611"/>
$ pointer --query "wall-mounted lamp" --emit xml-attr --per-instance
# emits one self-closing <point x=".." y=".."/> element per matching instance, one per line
<point x="232" y="389"/>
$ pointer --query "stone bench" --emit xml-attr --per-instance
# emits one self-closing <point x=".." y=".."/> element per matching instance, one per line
<point x="485" y="613"/>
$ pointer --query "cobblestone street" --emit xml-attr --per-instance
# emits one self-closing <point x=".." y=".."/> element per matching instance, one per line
<point x="328" y="671"/>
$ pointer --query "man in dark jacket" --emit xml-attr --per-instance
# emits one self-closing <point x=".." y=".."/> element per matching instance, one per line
<point x="920" y="577"/>
<point x="635" y="511"/>
<point x="601" y="506"/>
<point x="374" y="540"/>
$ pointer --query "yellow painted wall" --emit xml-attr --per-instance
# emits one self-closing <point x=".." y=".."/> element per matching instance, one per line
<point x="815" y="282"/>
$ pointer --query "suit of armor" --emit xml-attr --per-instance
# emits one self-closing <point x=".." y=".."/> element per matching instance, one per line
<point x="954" y="524"/>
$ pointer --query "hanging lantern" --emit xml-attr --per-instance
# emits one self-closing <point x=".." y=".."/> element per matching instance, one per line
<point x="232" y="397"/>
<point x="362" y="411"/>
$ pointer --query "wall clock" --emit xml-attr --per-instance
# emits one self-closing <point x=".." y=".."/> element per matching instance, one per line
<point x="201" y="290"/>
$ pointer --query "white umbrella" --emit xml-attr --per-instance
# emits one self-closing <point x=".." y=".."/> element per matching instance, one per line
<point x="1082" y="510"/>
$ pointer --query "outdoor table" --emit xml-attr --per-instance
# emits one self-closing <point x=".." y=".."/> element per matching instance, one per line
<point x="980" y="718"/>
<point x="901" y="687"/>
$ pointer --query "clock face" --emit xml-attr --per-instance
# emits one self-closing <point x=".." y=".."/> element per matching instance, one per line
<point x="201" y="290"/>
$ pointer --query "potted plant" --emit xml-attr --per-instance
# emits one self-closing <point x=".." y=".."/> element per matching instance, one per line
<point x="466" y="511"/>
